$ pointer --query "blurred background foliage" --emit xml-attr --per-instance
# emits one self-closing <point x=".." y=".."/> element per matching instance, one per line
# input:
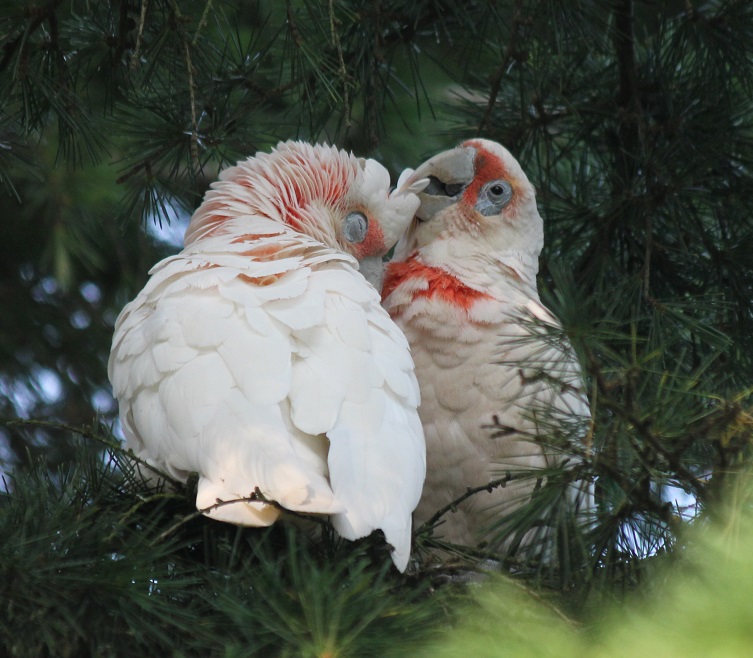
<point x="634" y="120"/>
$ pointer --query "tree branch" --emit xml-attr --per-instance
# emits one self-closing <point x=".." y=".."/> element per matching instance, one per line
<point x="470" y="491"/>
<point x="139" y="34"/>
<point x="507" y="56"/>
<point x="628" y="96"/>
<point x="343" y="71"/>
<point x="255" y="497"/>
<point x="38" y="16"/>
<point x="88" y="433"/>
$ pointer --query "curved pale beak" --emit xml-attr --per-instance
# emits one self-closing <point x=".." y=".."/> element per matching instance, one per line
<point x="442" y="178"/>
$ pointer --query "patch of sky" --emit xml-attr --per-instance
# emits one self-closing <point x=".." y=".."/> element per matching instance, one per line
<point x="90" y="292"/>
<point x="103" y="401"/>
<point x="80" y="319"/>
<point x="684" y="504"/>
<point x="47" y="385"/>
<point x="169" y="232"/>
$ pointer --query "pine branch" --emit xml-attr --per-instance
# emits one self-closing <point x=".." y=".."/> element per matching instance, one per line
<point x="139" y="34"/>
<point x="187" y="44"/>
<point x="256" y="497"/>
<point x="90" y="434"/>
<point x="470" y="491"/>
<point x="345" y="78"/>
<point x="509" y="54"/>
<point x="202" y="21"/>
<point x="37" y="18"/>
<point x="644" y="431"/>
<point x="627" y="100"/>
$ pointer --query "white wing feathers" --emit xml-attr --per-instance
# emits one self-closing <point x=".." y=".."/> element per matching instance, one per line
<point x="260" y="358"/>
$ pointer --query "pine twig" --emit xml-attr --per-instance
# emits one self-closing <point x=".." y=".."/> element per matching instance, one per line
<point x="643" y="429"/>
<point x="135" y="508"/>
<point x="38" y="17"/>
<point x="85" y="432"/>
<point x="144" y="164"/>
<point x="88" y="433"/>
<point x="202" y="21"/>
<point x="343" y="70"/>
<point x="507" y="56"/>
<point x="292" y="25"/>
<point x="193" y="146"/>
<point x="139" y="34"/>
<point x="256" y="497"/>
<point x="470" y="491"/>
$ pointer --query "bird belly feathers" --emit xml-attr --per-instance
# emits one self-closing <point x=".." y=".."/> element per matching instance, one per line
<point x="491" y="382"/>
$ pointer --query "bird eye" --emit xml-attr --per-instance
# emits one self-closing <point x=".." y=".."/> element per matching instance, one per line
<point x="493" y="197"/>
<point x="355" y="227"/>
<point x="499" y="189"/>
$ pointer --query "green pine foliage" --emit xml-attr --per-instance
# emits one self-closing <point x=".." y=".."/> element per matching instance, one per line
<point x="634" y="120"/>
<point x="98" y="560"/>
<point x="698" y="606"/>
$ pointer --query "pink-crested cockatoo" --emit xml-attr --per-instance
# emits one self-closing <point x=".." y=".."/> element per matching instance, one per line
<point x="260" y="357"/>
<point x="493" y="376"/>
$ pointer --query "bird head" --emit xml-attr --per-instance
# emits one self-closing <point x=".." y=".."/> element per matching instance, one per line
<point x="375" y="218"/>
<point x="475" y="196"/>
<point x="330" y="195"/>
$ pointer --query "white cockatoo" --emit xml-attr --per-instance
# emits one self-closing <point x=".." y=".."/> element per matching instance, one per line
<point x="493" y="377"/>
<point x="260" y="358"/>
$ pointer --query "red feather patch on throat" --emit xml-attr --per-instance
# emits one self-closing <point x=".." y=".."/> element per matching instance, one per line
<point x="440" y="284"/>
